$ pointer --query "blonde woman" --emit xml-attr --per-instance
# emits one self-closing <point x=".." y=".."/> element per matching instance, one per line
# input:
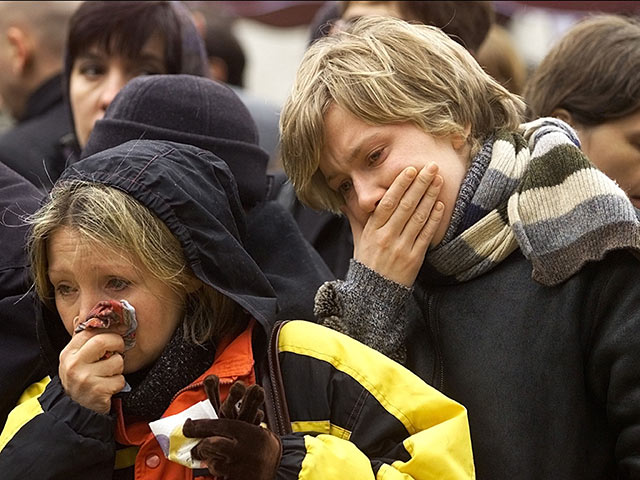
<point x="160" y="225"/>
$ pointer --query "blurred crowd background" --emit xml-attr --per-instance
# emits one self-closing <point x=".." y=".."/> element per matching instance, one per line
<point x="268" y="38"/>
<point x="275" y="34"/>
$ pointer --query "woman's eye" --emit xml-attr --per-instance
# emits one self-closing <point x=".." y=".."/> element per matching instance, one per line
<point x="64" y="290"/>
<point x="118" y="284"/>
<point x="345" y="187"/>
<point x="153" y="68"/>
<point x="91" y="69"/>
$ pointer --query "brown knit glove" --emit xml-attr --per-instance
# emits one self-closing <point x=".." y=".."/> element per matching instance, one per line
<point x="235" y="446"/>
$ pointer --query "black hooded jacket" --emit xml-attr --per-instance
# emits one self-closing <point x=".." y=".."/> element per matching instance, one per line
<point x="193" y="192"/>
<point x="199" y="111"/>
<point x="19" y="352"/>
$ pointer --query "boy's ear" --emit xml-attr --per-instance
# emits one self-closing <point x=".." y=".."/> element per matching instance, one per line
<point x="461" y="140"/>
<point x="563" y="115"/>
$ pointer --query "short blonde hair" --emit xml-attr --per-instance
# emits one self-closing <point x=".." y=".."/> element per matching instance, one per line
<point x="107" y="216"/>
<point x="387" y="71"/>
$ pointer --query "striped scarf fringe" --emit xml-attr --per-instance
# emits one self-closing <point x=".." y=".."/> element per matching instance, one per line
<point x="541" y="194"/>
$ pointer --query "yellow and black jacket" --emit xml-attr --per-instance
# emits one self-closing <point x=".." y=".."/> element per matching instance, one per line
<point x="353" y="414"/>
<point x="341" y="409"/>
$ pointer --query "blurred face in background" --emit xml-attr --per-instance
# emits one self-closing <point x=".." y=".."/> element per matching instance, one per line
<point x="97" y="77"/>
<point x="355" y="10"/>
<point x="614" y="147"/>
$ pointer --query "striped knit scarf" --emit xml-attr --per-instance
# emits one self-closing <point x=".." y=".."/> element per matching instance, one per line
<point x="536" y="191"/>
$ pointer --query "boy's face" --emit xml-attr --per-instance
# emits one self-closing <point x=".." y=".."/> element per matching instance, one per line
<point x="83" y="273"/>
<point x="614" y="147"/>
<point x="97" y="77"/>
<point x="360" y="161"/>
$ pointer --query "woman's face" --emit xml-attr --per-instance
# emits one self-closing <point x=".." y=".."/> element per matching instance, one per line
<point x="614" y="147"/>
<point x="84" y="273"/>
<point x="360" y="161"/>
<point x="358" y="9"/>
<point x="97" y="77"/>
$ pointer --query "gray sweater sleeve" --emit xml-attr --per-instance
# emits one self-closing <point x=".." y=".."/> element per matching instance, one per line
<point x="368" y="307"/>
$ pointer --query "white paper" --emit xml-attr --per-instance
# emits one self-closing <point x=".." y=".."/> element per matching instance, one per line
<point x="168" y="433"/>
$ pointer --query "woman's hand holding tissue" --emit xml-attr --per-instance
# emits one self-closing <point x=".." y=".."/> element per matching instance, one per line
<point x="235" y="446"/>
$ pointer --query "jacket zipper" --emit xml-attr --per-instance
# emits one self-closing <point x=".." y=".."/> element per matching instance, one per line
<point x="438" y="370"/>
<point x="195" y="386"/>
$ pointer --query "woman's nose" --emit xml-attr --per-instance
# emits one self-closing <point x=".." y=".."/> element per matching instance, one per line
<point x="114" y="81"/>
<point x="86" y="304"/>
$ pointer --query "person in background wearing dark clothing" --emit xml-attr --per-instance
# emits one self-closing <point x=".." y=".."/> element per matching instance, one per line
<point x="491" y="257"/>
<point x="225" y="53"/>
<point x="591" y="80"/>
<point x="468" y="23"/>
<point x="208" y="114"/>
<point x="19" y="351"/>
<point x="109" y="43"/>
<point x="227" y="62"/>
<point x="32" y="36"/>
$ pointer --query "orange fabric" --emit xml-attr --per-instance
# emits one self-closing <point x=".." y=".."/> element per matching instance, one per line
<point x="235" y="362"/>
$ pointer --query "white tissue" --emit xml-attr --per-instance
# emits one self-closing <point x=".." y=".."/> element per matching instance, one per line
<point x="168" y="433"/>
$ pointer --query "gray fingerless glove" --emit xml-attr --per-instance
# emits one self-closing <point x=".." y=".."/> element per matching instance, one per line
<point x="368" y="307"/>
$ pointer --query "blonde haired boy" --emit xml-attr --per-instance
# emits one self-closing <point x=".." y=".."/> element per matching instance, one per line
<point x="491" y="258"/>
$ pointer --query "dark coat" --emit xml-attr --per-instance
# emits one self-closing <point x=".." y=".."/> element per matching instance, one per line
<point x="329" y="234"/>
<point x="550" y="375"/>
<point x="19" y="351"/>
<point x="34" y="147"/>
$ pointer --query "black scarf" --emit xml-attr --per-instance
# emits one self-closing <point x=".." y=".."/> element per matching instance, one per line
<point x="179" y="364"/>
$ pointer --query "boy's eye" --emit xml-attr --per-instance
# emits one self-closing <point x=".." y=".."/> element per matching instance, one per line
<point x="118" y="284"/>
<point x="375" y="156"/>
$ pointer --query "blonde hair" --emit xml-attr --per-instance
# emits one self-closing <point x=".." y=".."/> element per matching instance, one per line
<point x="387" y="71"/>
<point x="107" y="216"/>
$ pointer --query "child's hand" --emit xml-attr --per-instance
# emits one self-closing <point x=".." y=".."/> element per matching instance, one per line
<point x="395" y="238"/>
<point x="91" y="368"/>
